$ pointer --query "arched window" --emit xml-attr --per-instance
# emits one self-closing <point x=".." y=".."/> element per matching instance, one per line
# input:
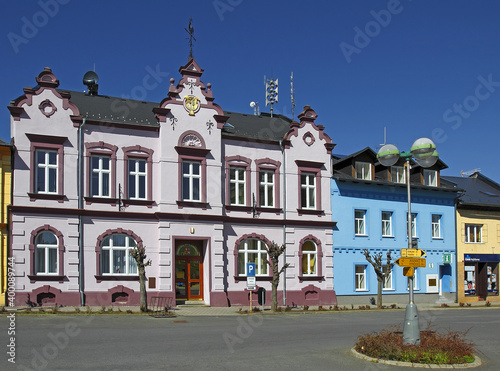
<point x="46" y="257"/>
<point x="115" y="255"/>
<point x="252" y="250"/>
<point x="309" y="258"/>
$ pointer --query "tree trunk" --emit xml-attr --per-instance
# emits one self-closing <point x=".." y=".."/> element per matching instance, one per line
<point x="144" y="295"/>
<point x="274" y="293"/>
<point x="379" y="293"/>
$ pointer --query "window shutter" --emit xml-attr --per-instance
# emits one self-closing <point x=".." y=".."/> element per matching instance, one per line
<point x="484" y="233"/>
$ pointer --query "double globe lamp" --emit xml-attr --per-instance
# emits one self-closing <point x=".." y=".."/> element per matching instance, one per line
<point x="423" y="151"/>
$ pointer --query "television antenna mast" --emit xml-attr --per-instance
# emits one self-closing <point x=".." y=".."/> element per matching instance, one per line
<point x="271" y="92"/>
<point x="292" y="91"/>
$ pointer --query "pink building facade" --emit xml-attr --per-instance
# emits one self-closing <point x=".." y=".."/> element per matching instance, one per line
<point x="204" y="190"/>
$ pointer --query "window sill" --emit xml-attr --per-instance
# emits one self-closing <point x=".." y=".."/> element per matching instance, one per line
<point x="47" y="277"/>
<point x="101" y="200"/>
<point x="194" y="204"/>
<point x="310" y="212"/>
<point x="116" y="278"/>
<point x="147" y="203"/>
<point x="47" y="196"/>
<point x="388" y="236"/>
<point x="257" y="278"/>
<point x="311" y="278"/>
<point x="362" y="290"/>
<point x="247" y="209"/>
<point x="386" y="290"/>
<point x="437" y="238"/>
<point x="360" y="235"/>
<point x="274" y="210"/>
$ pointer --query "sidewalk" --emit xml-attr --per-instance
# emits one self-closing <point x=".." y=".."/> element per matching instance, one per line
<point x="203" y="310"/>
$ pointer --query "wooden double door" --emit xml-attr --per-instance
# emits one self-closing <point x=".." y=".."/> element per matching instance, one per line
<point x="189" y="270"/>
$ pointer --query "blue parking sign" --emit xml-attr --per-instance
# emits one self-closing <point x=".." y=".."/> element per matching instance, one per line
<point x="250" y="269"/>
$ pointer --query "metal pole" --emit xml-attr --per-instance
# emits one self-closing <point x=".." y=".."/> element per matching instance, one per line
<point x="411" y="329"/>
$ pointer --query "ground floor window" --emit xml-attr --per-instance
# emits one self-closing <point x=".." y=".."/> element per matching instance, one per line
<point x="252" y="250"/>
<point x="360" y="271"/>
<point x="115" y="255"/>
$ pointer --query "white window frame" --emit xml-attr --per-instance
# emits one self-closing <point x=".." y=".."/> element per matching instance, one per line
<point x="46" y="167"/>
<point x="360" y="278"/>
<point x="472" y="228"/>
<point x="191" y="178"/>
<point x="363" y="170"/>
<point x="261" y="266"/>
<point x="240" y="186"/>
<point x="398" y="174"/>
<point x="430" y="177"/>
<point x="46" y="250"/>
<point x="387" y="284"/>
<point x="436" y="226"/>
<point x="308" y="190"/>
<point x="309" y="256"/>
<point x="387" y="224"/>
<point x="137" y="176"/>
<point x="111" y="248"/>
<point x="102" y="173"/>
<point x="360" y="223"/>
<point x="413" y="225"/>
<point x="266" y="188"/>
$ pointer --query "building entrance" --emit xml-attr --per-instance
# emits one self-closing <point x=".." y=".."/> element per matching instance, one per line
<point x="189" y="271"/>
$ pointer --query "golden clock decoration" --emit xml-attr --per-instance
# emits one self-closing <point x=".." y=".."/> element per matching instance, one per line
<point x="191" y="104"/>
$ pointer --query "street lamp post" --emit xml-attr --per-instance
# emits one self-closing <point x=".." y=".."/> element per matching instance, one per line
<point x="424" y="152"/>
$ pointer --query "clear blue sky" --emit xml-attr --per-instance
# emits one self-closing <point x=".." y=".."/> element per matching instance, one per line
<point x="419" y="68"/>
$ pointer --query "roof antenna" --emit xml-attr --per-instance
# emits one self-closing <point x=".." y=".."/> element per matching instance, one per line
<point x="190" y="31"/>
<point x="292" y="90"/>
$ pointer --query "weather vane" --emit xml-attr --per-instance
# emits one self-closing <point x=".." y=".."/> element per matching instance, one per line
<point x="190" y="31"/>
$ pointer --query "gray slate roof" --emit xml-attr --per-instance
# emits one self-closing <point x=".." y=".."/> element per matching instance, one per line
<point x="139" y="113"/>
<point x="478" y="190"/>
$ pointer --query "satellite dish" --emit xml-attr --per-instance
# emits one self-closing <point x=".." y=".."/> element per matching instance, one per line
<point x="388" y="155"/>
<point x="90" y="79"/>
<point x="252" y="104"/>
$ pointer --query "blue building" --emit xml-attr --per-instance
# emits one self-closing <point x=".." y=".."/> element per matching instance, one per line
<point x="369" y="204"/>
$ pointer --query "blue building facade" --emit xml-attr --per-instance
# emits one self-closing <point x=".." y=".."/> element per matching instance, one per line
<point x="369" y="204"/>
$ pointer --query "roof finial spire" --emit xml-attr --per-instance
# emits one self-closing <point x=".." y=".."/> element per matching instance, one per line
<point x="190" y="31"/>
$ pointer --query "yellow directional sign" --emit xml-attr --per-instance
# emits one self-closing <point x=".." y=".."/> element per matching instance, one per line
<point x="408" y="271"/>
<point x="412" y="253"/>
<point x="411" y="262"/>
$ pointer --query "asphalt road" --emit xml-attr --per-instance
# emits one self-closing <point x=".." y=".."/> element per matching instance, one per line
<point x="257" y="342"/>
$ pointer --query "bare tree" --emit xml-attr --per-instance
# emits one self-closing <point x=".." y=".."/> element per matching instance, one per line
<point x="273" y="252"/>
<point x="378" y="266"/>
<point x="139" y="255"/>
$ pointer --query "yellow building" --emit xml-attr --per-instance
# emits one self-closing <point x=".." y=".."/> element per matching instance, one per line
<point x="478" y="238"/>
<point x="5" y="200"/>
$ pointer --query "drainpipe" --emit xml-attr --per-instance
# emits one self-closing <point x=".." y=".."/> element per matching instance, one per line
<point x="80" y="211"/>
<point x="456" y="247"/>
<point x="284" y="219"/>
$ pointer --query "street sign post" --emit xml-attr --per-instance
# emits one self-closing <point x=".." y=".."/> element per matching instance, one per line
<point x="251" y="280"/>
<point x="412" y="253"/>
<point x="411" y="262"/>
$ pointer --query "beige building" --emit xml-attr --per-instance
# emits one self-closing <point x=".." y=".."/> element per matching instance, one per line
<point x="478" y="239"/>
<point x="5" y="199"/>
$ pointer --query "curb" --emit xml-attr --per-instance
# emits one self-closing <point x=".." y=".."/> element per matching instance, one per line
<point x="476" y="363"/>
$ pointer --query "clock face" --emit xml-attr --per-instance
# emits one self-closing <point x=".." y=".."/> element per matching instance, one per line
<point x="191" y="104"/>
<point x="191" y="140"/>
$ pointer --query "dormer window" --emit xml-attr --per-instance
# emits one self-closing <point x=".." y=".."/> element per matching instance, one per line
<point x="430" y="178"/>
<point x="398" y="174"/>
<point x="363" y="170"/>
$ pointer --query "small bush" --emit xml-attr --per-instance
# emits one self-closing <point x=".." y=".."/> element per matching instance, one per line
<point x="306" y="307"/>
<point x="77" y="310"/>
<point x="488" y="304"/>
<point x="444" y="305"/>
<point x="89" y="310"/>
<point x="461" y="304"/>
<point x="436" y="348"/>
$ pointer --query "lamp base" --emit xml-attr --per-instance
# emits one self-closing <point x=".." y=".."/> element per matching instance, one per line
<point x="411" y="329"/>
